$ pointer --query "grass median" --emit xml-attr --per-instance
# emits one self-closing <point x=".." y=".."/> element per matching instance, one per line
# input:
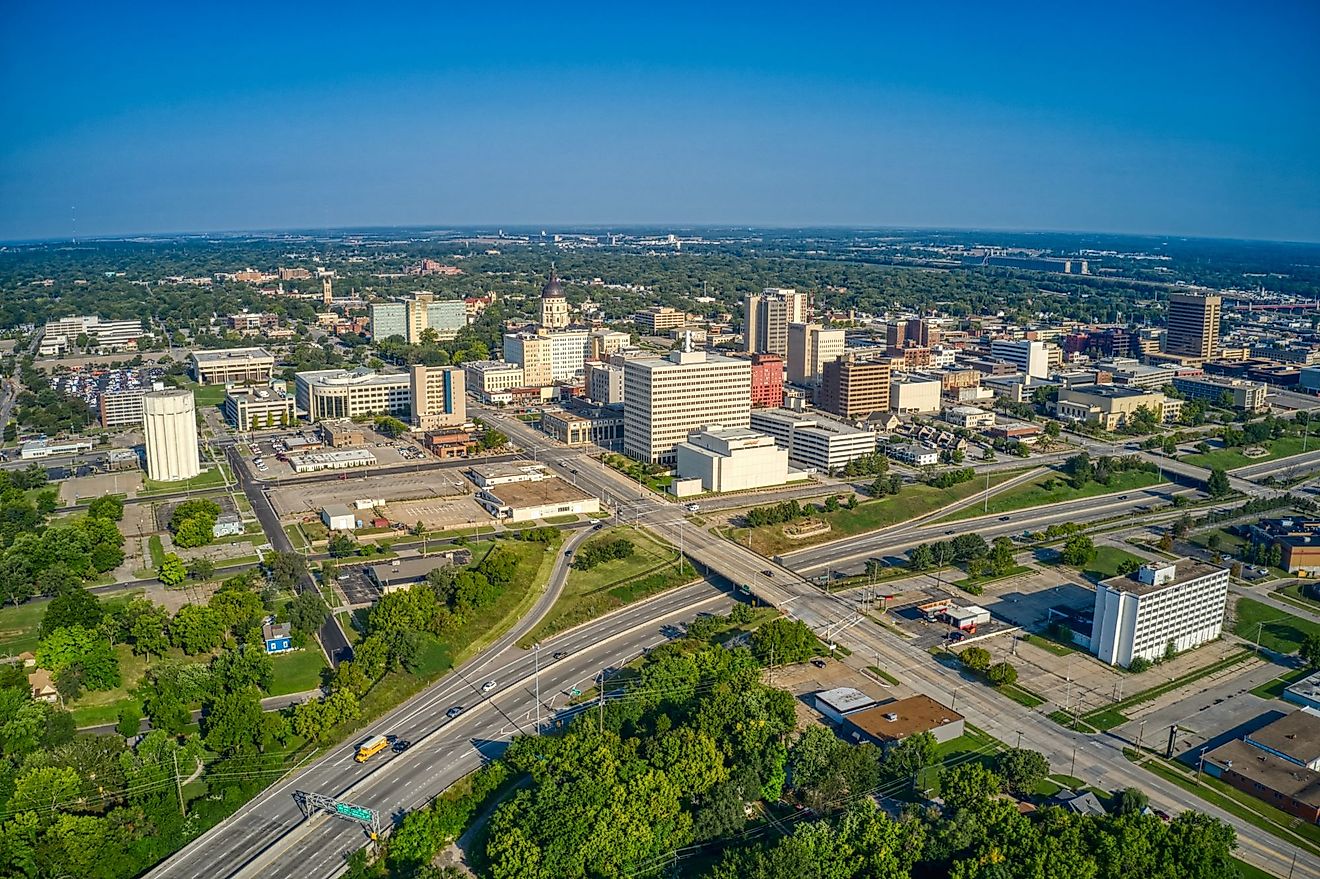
<point x="1053" y="488"/>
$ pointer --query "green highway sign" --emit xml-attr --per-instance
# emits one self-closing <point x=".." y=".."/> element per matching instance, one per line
<point x="357" y="812"/>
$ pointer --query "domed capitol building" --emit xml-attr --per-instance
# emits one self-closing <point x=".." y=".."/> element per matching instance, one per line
<point x="554" y="307"/>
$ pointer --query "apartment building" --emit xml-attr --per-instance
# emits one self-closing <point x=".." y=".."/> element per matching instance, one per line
<point x="767" y="380"/>
<point x="117" y="408"/>
<point x="416" y="314"/>
<point x="811" y="346"/>
<point x="547" y="357"/>
<point x="1179" y="603"/>
<point x="388" y="319"/>
<point x="852" y="388"/>
<point x="224" y="365"/>
<point x="814" y="441"/>
<point x="666" y="398"/>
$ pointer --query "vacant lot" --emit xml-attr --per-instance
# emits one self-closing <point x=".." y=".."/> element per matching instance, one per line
<point x="1053" y="488"/>
<point x="1278" y="631"/>
<point x="297" y="671"/>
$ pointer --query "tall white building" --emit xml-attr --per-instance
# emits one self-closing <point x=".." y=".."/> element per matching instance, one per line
<point x="666" y="398"/>
<point x="1166" y="602"/>
<point x="169" y="421"/>
<point x="341" y="393"/>
<point x="1026" y="354"/>
<point x="416" y="314"/>
<point x="732" y="460"/>
<point x="810" y="347"/>
<point x="436" y="396"/>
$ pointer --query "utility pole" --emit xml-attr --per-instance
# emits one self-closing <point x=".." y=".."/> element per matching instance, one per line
<point x="1141" y="732"/>
<point x="178" y="785"/>
<point x="1072" y="770"/>
<point x="986" y="508"/>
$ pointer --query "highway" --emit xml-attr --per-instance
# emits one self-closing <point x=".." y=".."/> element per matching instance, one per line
<point x="1096" y="758"/>
<point x="271" y="838"/>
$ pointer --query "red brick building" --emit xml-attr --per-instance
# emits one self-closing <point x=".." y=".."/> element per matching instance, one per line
<point x="767" y="381"/>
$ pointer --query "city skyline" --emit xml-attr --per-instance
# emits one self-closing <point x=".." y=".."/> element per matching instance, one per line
<point x="1174" y="121"/>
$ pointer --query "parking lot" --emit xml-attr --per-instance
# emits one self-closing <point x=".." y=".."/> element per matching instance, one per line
<point x="269" y="454"/>
<point x="439" y="513"/>
<point x="355" y="587"/>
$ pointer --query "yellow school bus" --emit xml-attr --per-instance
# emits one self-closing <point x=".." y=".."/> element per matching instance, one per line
<point x="371" y="747"/>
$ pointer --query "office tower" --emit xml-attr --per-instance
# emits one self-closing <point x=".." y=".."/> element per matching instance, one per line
<point x="388" y="319"/>
<point x="1028" y="356"/>
<point x="922" y="332"/>
<point x="666" y="398"/>
<point x="436" y="396"/>
<point x="1192" y="325"/>
<point x="1138" y="615"/>
<point x="895" y="336"/>
<point x="342" y="393"/>
<point x="169" y="421"/>
<point x="767" y="316"/>
<point x="852" y="388"/>
<point x="327" y="291"/>
<point x="554" y="307"/>
<point x="809" y="347"/>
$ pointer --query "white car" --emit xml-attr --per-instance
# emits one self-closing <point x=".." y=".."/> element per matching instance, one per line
<point x="488" y="686"/>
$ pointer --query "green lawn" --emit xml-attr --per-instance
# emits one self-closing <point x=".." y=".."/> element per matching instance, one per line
<point x="1053" y="488"/>
<point x="1045" y="641"/>
<point x="1274" y="689"/>
<point x="1021" y="695"/>
<point x="913" y="501"/>
<point x="157" y="550"/>
<point x="297" y="671"/>
<point x="212" y="478"/>
<point x="1229" y="459"/>
<point x="203" y="395"/>
<point x="610" y="585"/>
<point x="1292" y="593"/>
<point x="18" y="626"/>
<point x="1247" y="871"/>
<point x="1107" y="560"/>
<point x="635" y="470"/>
<point x="1278" y="631"/>
<point x="1015" y="571"/>
<point x="95" y="708"/>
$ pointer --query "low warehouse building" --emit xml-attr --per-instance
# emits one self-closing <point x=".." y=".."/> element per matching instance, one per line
<point x="338" y="517"/>
<point x="538" y="499"/>
<point x="405" y="573"/>
<point x="835" y="703"/>
<point x="891" y="722"/>
<point x="343" y="460"/>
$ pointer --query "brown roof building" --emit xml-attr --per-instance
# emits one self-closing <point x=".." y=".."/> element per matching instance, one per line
<point x="1276" y="764"/>
<point x="891" y="722"/>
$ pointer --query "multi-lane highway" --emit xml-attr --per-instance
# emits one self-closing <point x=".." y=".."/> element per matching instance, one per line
<point x="270" y="837"/>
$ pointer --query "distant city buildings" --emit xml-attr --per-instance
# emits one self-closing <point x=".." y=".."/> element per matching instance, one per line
<point x="436" y="396"/>
<point x="412" y="317"/>
<point x="767" y="381"/>
<point x="1030" y="357"/>
<point x="659" y="319"/>
<point x="60" y="336"/>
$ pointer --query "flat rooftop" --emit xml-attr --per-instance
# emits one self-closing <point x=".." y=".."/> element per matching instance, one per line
<point x="507" y="470"/>
<point x="518" y="495"/>
<point x="915" y="714"/>
<point x="844" y="699"/>
<point x="1186" y="571"/>
<point x="222" y="354"/>
<point x="410" y="570"/>
<point x="1295" y="735"/>
<point x="1273" y="773"/>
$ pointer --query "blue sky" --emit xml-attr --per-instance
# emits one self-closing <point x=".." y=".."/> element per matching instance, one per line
<point x="1190" y="119"/>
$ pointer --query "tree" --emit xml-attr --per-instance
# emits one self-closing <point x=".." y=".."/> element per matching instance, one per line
<point x="201" y="568"/>
<point x="307" y="613"/>
<point x="171" y="571"/>
<point x="83" y="655"/>
<point x="341" y="545"/>
<point x="1022" y="769"/>
<point x="130" y="720"/>
<point x="1130" y="801"/>
<point x="232" y="722"/>
<point x="147" y="631"/>
<point x="1001" y="674"/>
<point x="976" y="659"/>
<point x="921" y="557"/>
<point x="196" y="531"/>
<point x="107" y="506"/>
<point x="969" y="546"/>
<point x="1309" y="651"/>
<point x="1078" y="550"/>
<point x="909" y="756"/>
<point x="968" y="785"/>
<point x="1217" y="484"/>
<point x="196" y="628"/>
<point x="783" y="641"/>
<point x="72" y="606"/>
